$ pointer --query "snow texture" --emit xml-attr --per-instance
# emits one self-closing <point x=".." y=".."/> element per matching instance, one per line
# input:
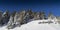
<point x="34" y="25"/>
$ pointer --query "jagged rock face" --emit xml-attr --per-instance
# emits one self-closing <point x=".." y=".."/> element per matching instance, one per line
<point x="36" y="16"/>
<point x="58" y="19"/>
<point x="5" y="18"/>
<point x="0" y="14"/>
<point x="16" y="20"/>
<point x="29" y="15"/>
<point x="11" y="21"/>
<point x="50" y="16"/>
<point x="22" y="16"/>
<point x="0" y="17"/>
<point x="42" y="15"/>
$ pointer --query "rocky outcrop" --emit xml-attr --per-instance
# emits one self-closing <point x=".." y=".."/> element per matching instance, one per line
<point x="4" y="18"/>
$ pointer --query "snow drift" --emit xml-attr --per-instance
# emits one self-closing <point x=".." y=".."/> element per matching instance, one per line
<point x="34" y="25"/>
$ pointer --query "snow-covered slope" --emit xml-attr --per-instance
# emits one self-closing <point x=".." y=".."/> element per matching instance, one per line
<point x="34" y="25"/>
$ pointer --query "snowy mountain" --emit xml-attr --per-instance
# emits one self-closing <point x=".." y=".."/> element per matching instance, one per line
<point x="29" y="21"/>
